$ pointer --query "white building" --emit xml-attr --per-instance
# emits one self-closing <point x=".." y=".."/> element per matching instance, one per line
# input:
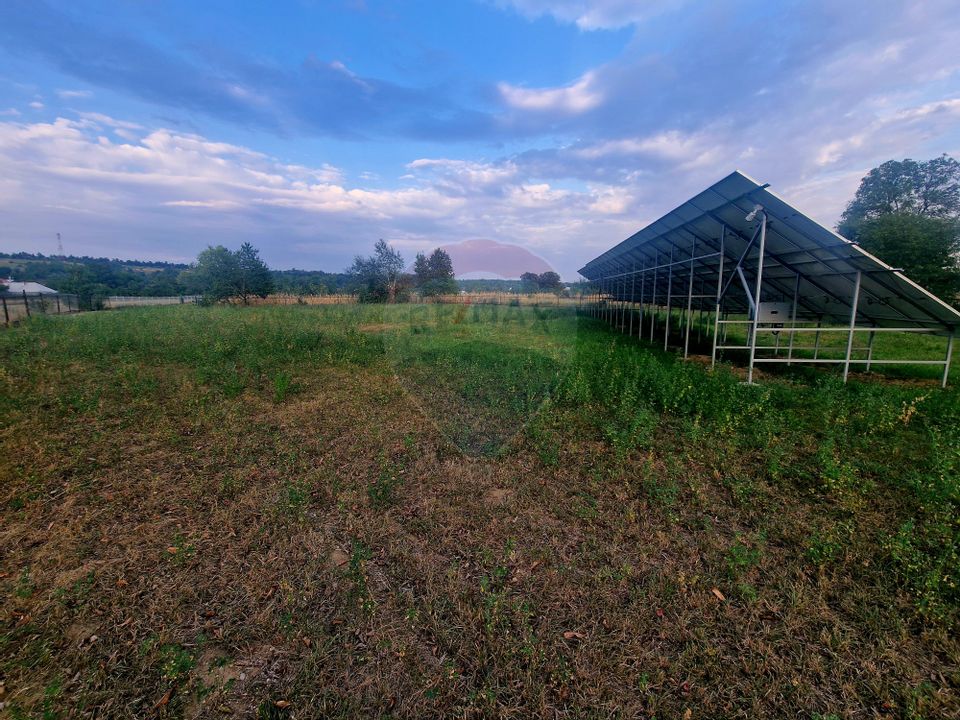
<point x="31" y="288"/>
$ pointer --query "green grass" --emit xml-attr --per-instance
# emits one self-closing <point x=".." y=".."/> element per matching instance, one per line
<point x="464" y="510"/>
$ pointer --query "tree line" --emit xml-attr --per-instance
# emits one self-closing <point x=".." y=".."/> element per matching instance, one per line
<point x="93" y="279"/>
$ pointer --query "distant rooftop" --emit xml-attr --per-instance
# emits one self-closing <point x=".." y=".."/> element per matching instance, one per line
<point x="31" y="288"/>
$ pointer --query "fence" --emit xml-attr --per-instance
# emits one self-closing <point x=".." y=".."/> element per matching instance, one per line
<point x="503" y="298"/>
<point x="119" y="301"/>
<point x="17" y="306"/>
<point x="489" y="298"/>
<point x="285" y="299"/>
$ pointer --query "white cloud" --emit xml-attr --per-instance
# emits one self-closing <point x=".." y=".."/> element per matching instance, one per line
<point x="37" y="105"/>
<point x="579" y="97"/>
<point x="893" y="131"/>
<point x="74" y="94"/>
<point x="196" y="191"/>
<point x="594" y="14"/>
<point x="685" y="150"/>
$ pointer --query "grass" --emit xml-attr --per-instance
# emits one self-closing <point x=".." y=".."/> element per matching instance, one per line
<point x="481" y="511"/>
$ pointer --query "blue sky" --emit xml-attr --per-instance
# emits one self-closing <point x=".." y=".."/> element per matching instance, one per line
<point x="143" y="129"/>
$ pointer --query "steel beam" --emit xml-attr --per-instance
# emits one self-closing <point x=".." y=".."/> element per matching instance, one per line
<point x="853" y="323"/>
<point x="756" y="311"/>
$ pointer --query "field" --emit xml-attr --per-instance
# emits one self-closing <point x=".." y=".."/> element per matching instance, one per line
<point x="463" y="511"/>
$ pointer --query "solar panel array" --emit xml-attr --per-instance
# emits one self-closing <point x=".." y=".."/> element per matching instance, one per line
<point x="681" y="253"/>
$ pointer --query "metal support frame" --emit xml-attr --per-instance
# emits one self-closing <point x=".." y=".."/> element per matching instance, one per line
<point x="611" y="282"/>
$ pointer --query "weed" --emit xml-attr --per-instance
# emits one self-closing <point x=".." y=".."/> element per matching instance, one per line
<point x="24" y="587"/>
<point x="282" y="385"/>
<point x="176" y="661"/>
<point x="360" y="554"/>
<point x="181" y="550"/>
<point x="741" y="558"/>
<point x="294" y="498"/>
<point x="824" y="546"/>
<point x="382" y="490"/>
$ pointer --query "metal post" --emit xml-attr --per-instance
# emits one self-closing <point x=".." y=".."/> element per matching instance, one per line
<point x="608" y="305"/>
<point x="793" y="318"/>
<point x="816" y="339"/>
<point x="756" y="304"/>
<point x="686" y="340"/>
<point x="653" y="298"/>
<point x="946" y="362"/>
<point x="716" y="313"/>
<point x="6" y="313"/>
<point x="601" y="307"/>
<point x="666" y="325"/>
<point x="643" y="278"/>
<point x="623" y="305"/>
<point x="853" y="323"/>
<point x="26" y="303"/>
<point x="633" y="288"/>
<point x="870" y="349"/>
<point x="700" y="311"/>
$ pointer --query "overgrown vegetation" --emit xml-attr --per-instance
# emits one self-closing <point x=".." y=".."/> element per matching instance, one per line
<point x="425" y="511"/>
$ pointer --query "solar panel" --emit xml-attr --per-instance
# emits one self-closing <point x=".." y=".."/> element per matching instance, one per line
<point x="802" y="260"/>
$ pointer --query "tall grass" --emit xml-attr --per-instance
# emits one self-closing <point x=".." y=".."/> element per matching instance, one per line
<point x="482" y="372"/>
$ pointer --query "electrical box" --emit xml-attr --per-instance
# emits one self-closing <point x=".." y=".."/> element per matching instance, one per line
<point x="775" y="312"/>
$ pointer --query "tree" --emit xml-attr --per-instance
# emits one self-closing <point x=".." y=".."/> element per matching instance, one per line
<point x="253" y="275"/>
<point x="925" y="247"/>
<point x="530" y="282"/>
<point x="927" y="189"/>
<point x="220" y="274"/>
<point x="214" y="275"/>
<point x="379" y="277"/>
<point x="434" y="274"/>
<point x="549" y="281"/>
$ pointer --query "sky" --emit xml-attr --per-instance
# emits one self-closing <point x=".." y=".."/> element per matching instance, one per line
<point x="147" y="129"/>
